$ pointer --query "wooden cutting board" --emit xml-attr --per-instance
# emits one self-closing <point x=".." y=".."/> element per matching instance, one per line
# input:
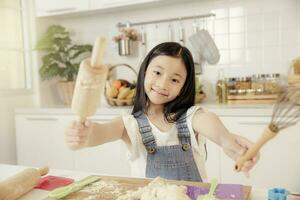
<point x="117" y="186"/>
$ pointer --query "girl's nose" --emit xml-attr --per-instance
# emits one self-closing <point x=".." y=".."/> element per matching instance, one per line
<point x="162" y="83"/>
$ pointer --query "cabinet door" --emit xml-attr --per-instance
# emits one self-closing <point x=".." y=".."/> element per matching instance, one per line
<point x="40" y="141"/>
<point x="279" y="165"/>
<point x="54" y="7"/>
<point x="109" y="158"/>
<point x="212" y="163"/>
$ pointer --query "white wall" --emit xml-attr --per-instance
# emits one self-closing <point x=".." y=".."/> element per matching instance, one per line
<point x="254" y="36"/>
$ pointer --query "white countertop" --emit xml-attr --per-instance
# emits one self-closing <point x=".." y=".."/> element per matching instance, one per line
<point x="36" y="194"/>
<point x="220" y="109"/>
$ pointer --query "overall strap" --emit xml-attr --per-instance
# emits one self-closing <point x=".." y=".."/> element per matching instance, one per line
<point x="183" y="132"/>
<point x="145" y="131"/>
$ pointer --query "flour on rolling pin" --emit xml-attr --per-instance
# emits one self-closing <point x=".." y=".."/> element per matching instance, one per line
<point x="90" y="82"/>
<point x="21" y="183"/>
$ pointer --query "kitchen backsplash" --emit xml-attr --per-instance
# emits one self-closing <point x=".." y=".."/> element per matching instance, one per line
<point x="253" y="36"/>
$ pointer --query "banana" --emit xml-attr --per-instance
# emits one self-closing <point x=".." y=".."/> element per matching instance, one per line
<point x="112" y="92"/>
<point x="123" y="93"/>
<point x="131" y="94"/>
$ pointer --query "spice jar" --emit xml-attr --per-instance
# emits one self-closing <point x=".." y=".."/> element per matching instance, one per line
<point x="257" y="83"/>
<point x="272" y="85"/>
<point x="231" y="86"/>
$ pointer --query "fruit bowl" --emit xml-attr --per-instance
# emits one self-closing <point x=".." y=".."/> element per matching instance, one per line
<point x="119" y="92"/>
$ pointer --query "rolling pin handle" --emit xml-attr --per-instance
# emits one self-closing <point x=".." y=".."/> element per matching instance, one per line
<point x="43" y="170"/>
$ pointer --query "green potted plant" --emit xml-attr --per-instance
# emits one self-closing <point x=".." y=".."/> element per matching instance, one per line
<point x="61" y="59"/>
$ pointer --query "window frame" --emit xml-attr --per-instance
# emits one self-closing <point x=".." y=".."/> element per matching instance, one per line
<point x="26" y="23"/>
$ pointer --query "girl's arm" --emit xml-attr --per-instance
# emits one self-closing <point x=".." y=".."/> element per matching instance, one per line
<point x="209" y="125"/>
<point x="89" y="134"/>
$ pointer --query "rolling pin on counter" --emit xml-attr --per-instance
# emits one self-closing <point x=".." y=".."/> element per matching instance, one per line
<point x="17" y="185"/>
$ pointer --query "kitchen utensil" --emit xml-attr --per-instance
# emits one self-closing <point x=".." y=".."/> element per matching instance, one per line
<point x="14" y="187"/>
<point x="277" y="194"/>
<point x="170" y="33"/>
<point x="205" y="45"/>
<point x="198" y="61"/>
<point x="224" y="191"/>
<point x="66" y="190"/>
<point x="143" y="42"/>
<point x="50" y="183"/>
<point x="210" y="195"/>
<point x="181" y="33"/>
<point x="90" y="82"/>
<point x="286" y="113"/>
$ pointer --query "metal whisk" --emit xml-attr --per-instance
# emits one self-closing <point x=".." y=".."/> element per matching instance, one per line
<point x="286" y="113"/>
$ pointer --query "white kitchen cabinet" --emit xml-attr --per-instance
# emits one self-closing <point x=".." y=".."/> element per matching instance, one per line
<point x="95" y="4"/>
<point x="56" y="7"/>
<point x="63" y="7"/>
<point x="279" y="165"/>
<point x="212" y="163"/>
<point x="40" y="142"/>
<point x="109" y="158"/>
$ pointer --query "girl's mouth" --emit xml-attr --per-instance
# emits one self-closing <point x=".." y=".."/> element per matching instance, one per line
<point x="160" y="93"/>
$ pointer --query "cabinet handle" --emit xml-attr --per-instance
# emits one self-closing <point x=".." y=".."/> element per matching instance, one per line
<point x="41" y="119"/>
<point x="254" y="123"/>
<point x="60" y="10"/>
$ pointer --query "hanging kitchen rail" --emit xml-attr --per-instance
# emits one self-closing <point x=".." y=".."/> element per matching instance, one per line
<point x="129" y="24"/>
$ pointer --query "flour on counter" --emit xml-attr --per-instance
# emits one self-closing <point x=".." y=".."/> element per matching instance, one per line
<point x="158" y="189"/>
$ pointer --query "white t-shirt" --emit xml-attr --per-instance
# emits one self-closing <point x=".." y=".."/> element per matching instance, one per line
<point x="137" y="153"/>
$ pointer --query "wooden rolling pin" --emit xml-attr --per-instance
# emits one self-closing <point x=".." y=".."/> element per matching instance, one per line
<point x="15" y="186"/>
<point x="90" y="82"/>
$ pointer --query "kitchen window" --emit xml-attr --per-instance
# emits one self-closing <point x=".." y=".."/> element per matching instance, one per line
<point x="14" y="49"/>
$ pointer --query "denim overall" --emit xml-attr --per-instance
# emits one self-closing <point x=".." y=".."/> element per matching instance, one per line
<point x="171" y="162"/>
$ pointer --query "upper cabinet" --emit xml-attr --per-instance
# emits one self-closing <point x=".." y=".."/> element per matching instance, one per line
<point x="58" y="7"/>
<point x="95" y="4"/>
<point x="67" y="7"/>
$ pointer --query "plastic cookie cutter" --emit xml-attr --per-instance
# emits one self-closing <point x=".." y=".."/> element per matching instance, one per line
<point x="277" y="194"/>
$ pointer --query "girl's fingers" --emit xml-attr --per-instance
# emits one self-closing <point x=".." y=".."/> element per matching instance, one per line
<point x="75" y="132"/>
<point x="76" y="139"/>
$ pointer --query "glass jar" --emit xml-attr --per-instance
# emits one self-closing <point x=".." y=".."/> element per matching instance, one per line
<point x="231" y="86"/>
<point x="257" y="83"/>
<point x="272" y="83"/>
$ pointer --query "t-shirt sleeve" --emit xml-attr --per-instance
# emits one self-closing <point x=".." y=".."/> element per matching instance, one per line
<point x="132" y="129"/>
<point x="200" y="140"/>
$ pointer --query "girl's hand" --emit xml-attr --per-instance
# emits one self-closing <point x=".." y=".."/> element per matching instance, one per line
<point x="77" y="134"/>
<point x="235" y="147"/>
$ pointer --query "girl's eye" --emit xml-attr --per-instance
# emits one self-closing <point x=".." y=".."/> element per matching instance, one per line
<point x="175" y="81"/>
<point x="156" y="72"/>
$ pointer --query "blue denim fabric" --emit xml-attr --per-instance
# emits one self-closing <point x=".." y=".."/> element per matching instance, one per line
<point x="174" y="162"/>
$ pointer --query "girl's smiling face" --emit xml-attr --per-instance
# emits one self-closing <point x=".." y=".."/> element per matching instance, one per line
<point x="164" y="78"/>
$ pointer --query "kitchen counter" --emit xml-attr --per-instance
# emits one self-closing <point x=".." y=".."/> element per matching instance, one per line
<point x="220" y="109"/>
<point x="36" y="194"/>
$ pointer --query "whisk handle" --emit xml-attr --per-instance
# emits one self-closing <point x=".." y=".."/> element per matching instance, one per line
<point x="252" y="151"/>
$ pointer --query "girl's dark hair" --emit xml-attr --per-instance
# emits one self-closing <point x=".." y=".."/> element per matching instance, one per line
<point x="174" y="109"/>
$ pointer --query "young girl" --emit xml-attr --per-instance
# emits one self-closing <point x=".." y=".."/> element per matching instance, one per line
<point x="165" y="134"/>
